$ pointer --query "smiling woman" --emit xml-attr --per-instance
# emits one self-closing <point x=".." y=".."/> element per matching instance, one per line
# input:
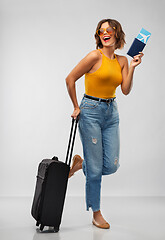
<point x="114" y="28"/>
<point x="98" y="112"/>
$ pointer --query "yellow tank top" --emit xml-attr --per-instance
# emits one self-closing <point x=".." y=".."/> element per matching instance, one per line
<point x="103" y="82"/>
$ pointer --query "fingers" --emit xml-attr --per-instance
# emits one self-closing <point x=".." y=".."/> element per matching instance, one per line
<point x="142" y="54"/>
<point x="74" y="116"/>
<point x="139" y="55"/>
<point x="137" y="59"/>
<point x="76" y="113"/>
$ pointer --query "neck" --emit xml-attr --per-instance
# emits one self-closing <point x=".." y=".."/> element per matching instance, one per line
<point x="109" y="51"/>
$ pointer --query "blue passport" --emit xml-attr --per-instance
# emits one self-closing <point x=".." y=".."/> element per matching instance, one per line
<point x="139" y="43"/>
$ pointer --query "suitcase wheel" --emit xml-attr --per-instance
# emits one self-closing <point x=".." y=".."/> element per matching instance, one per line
<point x="56" y="229"/>
<point x="41" y="227"/>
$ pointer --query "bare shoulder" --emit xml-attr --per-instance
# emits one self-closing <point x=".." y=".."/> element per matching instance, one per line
<point x="94" y="55"/>
<point x="91" y="58"/>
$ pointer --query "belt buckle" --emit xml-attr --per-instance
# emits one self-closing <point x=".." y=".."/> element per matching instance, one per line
<point x="108" y="100"/>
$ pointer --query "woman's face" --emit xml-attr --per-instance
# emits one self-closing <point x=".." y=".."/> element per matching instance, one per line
<point x="107" y="39"/>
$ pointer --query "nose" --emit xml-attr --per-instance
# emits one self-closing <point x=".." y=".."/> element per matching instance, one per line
<point x="105" y="31"/>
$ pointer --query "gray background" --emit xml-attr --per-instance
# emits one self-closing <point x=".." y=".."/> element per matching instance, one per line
<point x="40" y="43"/>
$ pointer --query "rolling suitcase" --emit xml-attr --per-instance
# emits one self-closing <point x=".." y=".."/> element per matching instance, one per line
<point x="51" y="185"/>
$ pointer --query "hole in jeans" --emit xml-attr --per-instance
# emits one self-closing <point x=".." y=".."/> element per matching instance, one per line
<point x="94" y="140"/>
<point x="116" y="160"/>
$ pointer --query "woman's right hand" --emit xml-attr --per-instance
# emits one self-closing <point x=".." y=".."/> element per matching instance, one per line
<point x="76" y="112"/>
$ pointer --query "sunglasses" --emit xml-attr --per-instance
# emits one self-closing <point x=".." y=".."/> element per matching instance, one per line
<point x="102" y="30"/>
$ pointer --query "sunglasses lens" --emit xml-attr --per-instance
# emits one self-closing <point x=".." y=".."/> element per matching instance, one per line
<point x="101" y="31"/>
<point x="109" y="30"/>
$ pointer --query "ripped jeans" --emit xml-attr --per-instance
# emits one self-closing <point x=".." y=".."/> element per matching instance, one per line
<point x="99" y="134"/>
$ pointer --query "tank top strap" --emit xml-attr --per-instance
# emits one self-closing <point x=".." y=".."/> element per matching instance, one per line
<point x="100" y="51"/>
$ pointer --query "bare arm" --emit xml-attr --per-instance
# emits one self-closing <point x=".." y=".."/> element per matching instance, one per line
<point x="78" y="71"/>
<point x="127" y="73"/>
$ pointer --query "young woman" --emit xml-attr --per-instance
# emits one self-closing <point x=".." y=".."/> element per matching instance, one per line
<point x="99" y="118"/>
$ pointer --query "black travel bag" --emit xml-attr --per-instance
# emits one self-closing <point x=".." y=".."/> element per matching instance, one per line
<point x="51" y="185"/>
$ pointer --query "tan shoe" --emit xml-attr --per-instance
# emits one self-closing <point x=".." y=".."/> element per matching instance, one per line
<point x="104" y="225"/>
<point x="76" y="159"/>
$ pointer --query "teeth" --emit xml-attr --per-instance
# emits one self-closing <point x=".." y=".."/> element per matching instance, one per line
<point x="106" y="38"/>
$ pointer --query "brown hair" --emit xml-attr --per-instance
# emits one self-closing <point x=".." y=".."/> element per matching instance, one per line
<point x="119" y="34"/>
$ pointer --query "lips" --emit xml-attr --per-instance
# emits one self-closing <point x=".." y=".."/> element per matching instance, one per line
<point x="106" y="38"/>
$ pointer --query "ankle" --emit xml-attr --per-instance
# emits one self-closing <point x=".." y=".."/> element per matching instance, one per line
<point x="95" y="214"/>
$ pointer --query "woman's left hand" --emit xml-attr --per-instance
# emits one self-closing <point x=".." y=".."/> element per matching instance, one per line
<point x="136" y="60"/>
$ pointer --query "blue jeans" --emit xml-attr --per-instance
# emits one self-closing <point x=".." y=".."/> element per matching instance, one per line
<point x="99" y="134"/>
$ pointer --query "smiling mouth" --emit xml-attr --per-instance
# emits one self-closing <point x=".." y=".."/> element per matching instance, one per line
<point x="106" y="39"/>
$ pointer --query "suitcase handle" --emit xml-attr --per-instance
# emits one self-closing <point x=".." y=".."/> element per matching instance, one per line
<point x="71" y="145"/>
